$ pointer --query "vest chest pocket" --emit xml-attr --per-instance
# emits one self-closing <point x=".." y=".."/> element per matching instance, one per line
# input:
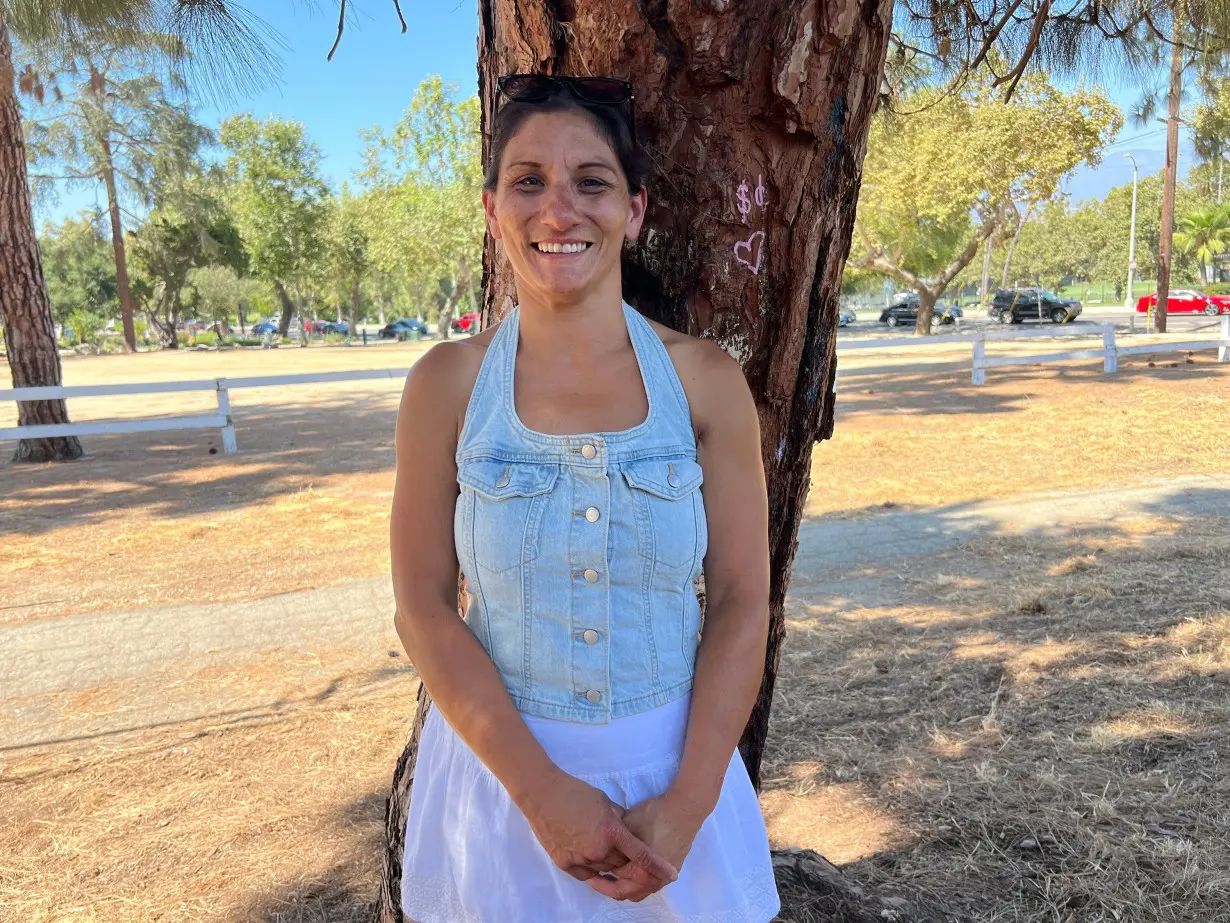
<point x="669" y="504"/>
<point x="506" y="507"/>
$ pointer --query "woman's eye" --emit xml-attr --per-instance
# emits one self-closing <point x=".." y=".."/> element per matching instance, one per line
<point x="527" y="181"/>
<point x="593" y="184"/>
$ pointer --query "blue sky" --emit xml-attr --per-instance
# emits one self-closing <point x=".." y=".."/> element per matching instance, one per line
<point x="376" y="70"/>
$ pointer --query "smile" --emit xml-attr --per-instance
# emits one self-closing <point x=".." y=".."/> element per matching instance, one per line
<point x="551" y="247"/>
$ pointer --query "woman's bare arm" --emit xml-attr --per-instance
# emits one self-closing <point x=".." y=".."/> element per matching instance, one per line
<point x="730" y="661"/>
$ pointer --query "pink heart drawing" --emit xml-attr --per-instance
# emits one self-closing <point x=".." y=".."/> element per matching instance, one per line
<point x="754" y="246"/>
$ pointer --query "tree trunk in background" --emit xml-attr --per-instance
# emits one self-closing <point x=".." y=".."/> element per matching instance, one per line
<point x="757" y="117"/>
<point x="354" y="308"/>
<point x="288" y="309"/>
<point x="25" y="308"/>
<point x="1166" y="245"/>
<point x="1020" y="226"/>
<point x="123" y="289"/>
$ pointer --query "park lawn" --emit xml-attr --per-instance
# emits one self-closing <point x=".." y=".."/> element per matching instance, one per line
<point x="155" y="518"/>
<point x="1011" y="730"/>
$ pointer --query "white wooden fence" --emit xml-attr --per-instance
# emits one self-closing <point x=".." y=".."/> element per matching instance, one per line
<point x="1109" y="352"/>
<point x="221" y="420"/>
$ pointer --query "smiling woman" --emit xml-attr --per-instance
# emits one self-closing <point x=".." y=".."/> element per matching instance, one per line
<point x="582" y="751"/>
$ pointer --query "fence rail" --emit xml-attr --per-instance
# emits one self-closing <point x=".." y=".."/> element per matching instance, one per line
<point x="223" y="420"/>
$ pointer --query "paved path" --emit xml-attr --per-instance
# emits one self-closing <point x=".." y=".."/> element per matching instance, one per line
<point x="141" y="659"/>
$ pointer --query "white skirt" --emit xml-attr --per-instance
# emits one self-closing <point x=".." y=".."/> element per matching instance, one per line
<point x="471" y="856"/>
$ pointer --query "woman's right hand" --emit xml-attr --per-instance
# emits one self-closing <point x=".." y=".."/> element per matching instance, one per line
<point x="583" y="832"/>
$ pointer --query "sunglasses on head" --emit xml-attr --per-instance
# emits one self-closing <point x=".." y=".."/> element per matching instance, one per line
<point x="534" y="88"/>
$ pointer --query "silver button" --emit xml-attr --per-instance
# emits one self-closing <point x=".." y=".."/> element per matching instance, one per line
<point x="592" y="514"/>
<point x="504" y="478"/>
<point x="588" y="450"/>
<point x="590" y="575"/>
<point x="594" y="696"/>
<point x="673" y="480"/>
<point x="590" y="636"/>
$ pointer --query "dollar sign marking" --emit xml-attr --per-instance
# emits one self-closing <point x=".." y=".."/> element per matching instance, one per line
<point x="745" y="204"/>
<point x="760" y="196"/>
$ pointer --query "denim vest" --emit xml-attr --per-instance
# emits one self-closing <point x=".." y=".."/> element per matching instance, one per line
<point x="581" y="552"/>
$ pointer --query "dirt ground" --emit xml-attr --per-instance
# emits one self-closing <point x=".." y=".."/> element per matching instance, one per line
<point x="1020" y="729"/>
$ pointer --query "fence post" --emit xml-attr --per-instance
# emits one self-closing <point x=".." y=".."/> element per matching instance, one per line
<point x="1111" y="362"/>
<point x="224" y="408"/>
<point x="980" y="360"/>
<point x="1223" y="351"/>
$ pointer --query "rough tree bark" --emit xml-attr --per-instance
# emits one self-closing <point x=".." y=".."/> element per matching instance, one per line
<point x="288" y="309"/>
<point x="25" y="308"/>
<point x="124" y="290"/>
<point x="757" y="117"/>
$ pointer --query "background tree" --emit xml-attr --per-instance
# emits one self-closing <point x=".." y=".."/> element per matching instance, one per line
<point x="349" y="261"/>
<point x="190" y="229"/>
<point x="928" y="203"/>
<point x="1204" y="235"/>
<point x="107" y="117"/>
<point x="425" y="216"/>
<point x="280" y="203"/>
<point x="79" y="267"/>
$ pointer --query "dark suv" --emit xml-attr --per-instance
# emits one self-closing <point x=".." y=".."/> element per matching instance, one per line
<point x="1024" y="304"/>
<point x="904" y="310"/>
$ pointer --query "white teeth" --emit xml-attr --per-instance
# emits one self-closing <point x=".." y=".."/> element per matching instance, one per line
<point x="561" y="248"/>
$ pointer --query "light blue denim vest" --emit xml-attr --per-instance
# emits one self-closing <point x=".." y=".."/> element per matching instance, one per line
<point x="581" y="552"/>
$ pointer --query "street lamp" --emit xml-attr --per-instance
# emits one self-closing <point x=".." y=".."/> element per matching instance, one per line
<point x="1132" y="240"/>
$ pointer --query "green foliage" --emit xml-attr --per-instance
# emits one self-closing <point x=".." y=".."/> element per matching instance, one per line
<point x="1203" y="234"/>
<point x="81" y="327"/>
<point x="79" y="267"/>
<point x="335" y="339"/>
<point x="277" y="195"/>
<point x="1217" y="288"/>
<point x="423" y="209"/>
<point x="952" y="171"/>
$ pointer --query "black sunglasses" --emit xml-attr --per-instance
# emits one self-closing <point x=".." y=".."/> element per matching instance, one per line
<point x="534" y="88"/>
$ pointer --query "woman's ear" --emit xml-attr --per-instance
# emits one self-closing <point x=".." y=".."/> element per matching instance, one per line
<point x="493" y="223"/>
<point x="639" y="201"/>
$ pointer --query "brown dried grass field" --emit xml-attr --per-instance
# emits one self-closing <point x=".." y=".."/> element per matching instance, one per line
<point x="1014" y="729"/>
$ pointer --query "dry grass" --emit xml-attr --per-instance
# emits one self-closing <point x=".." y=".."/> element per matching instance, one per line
<point x="1037" y="740"/>
<point x="1020" y="730"/>
<point x="1059" y="763"/>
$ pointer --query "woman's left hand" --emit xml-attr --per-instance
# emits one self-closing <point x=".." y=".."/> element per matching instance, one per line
<point x="668" y="825"/>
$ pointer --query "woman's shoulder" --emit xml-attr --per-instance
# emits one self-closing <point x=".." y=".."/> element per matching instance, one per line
<point x="444" y="376"/>
<point x="710" y="376"/>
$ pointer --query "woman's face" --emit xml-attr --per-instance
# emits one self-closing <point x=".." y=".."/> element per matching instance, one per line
<point x="562" y="207"/>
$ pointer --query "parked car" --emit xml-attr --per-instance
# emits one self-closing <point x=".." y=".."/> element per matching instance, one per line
<point x="846" y="316"/>
<point x="264" y="327"/>
<point x="903" y="309"/>
<point x="1187" y="301"/>
<point x="467" y="323"/>
<point x="403" y="329"/>
<point x="1022" y="304"/>
<point x="337" y="326"/>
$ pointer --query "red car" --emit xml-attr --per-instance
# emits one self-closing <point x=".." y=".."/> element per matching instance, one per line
<point x="1187" y="301"/>
<point x="467" y="323"/>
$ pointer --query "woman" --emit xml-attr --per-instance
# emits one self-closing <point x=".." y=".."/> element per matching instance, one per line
<point x="581" y="763"/>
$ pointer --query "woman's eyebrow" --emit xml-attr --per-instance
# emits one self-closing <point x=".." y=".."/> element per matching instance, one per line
<point x="589" y="164"/>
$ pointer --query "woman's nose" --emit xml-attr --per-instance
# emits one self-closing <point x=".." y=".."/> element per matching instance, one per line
<point x="559" y="207"/>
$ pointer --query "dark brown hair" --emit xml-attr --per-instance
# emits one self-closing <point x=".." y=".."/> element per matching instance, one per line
<point x="610" y="121"/>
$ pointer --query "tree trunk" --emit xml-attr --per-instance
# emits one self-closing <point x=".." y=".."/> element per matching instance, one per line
<point x="117" y="244"/>
<point x="1020" y="226"/>
<point x="777" y="96"/>
<point x="25" y="308"/>
<point x="354" y="307"/>
<point x="1166" y="246"/>
<point x="926" y="310"/>
<point x="288" y="309"/>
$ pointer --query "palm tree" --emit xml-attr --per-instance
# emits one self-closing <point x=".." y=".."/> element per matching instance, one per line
<point x="1204" y="234"/>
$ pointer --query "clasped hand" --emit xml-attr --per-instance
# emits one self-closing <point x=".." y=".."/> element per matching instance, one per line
<point x="625" y="854"/>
